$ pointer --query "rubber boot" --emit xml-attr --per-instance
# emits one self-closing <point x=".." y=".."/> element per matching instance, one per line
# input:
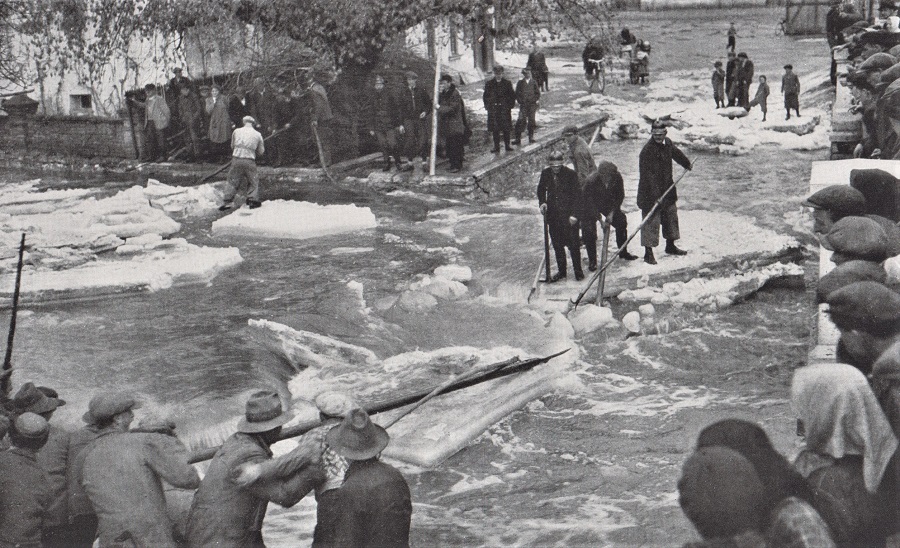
<point x="648" y="256"/>
<point x="672" y="249"/>
<point x="620" y="243"/>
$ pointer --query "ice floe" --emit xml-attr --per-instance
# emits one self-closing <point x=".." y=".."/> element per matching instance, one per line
<point x="295" y="220"/>
<point x="185" y="201"/>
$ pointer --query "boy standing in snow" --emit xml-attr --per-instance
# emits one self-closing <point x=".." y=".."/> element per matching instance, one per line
<point x="790" y="87"/>
<point x="762" y="95"/>
<point x="718" y="84"/>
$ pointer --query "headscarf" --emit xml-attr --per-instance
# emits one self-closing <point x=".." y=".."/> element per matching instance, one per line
<point x="721" y="494"/>
<point x="842" y="417"/>
<point x="751" y="441"/>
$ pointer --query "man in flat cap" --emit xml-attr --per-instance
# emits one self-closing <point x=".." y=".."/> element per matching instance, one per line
<point x="601" y="198"/>
<point x="528" y="95"/>
<point x="25" y="493"/>
<point x="833" y="203"/>
<point x="559" y="196"/>
<point x="880" y="190"/>
<point x="867" y="314"/>
<point x="52" y="458"/>
<point x="415" y="111"/>
<point x="374" y="505"/>
<point x="499" y="99"/>
<point x="247" y="145"/>
<point x="122" y="474"/>
<point x="227" y="514"/>
<point x="856" y="238"/>
<point x="790" y="87"/>
<point x="655" y="165"/>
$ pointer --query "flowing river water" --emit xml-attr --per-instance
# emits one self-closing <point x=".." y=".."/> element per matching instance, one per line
<point x="592" y="464"/>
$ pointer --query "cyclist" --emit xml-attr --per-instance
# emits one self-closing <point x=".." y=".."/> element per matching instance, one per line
<point x="592" y="54"/>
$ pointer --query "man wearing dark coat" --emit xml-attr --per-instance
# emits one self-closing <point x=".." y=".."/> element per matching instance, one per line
<point x="559" y="195"/>
<point x="191" y="113"/>
<point x="374" y="504"/>
<point x="499" y="99"/>
<point x="25" y="493"/>
<point x="743" y="77"/>
<point x="655" y="165"/>
<point x="528" y="95"/>
<point x="537" y="62"/>
<point x="384" y="121"/>
<point x="601" y="197"/>
<point x="415" y="112"/>
<point x="730" y="76"/>
<point x="451" y="122"/>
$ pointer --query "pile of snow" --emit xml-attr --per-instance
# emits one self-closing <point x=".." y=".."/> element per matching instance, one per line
<point x="712" y="292"/>
<point x="589" y="318"/>
<point x="446" y="283"/>
<point x="295" y="220"/>
<point x="685" y="98"/>
<point x="185" y="201"/>
<point x="156" y="265"/>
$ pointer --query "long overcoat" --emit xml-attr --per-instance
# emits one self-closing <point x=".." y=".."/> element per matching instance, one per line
<point x="450" y="113"/>
<point x="219" y="121"/>
<point x="499" y="100"/>
<point x="655" y="164"/>
<point x="562" y="194"/>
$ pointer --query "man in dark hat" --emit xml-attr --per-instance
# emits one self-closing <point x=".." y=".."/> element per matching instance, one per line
<point x="602" y="195"/>
<point x="384" y="122"/>
<point x="415" y="109"/>
<point x="52" y="459"/>
<point x="374" y="506"/>
<point x="655" y="165"/>
<point x="790" y="87"/>
<point x="122" y="473"/>
<point x="528" y="95"/>
<point x="833" y="203"/>
<point x="25" y="493"/>
<point x="499" y="99"/>
<point x="559" y="195"/>
<point x="226" y="514"/>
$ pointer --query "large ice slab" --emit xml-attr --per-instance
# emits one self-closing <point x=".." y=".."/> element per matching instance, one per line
<point x="185" y="201"/>
<point x="296" y="220"/>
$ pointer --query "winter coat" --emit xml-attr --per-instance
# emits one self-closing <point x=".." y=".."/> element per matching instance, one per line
<point x="226" y="515"/>
<point x="384" y="114"/>
<point x="762" y="94"/>
<point x="24" y="498"/>
<point x="450" y="113"/>
<point x="413" y="102"/>
<point x="730" y="71"/>
<point x="603" y="192"/>
<point x="78" y="502"/>
<point x="375" y="508"/>
<point x="158" y="112"/>
<point x="718" y="81"/>
<point x="53" y="460"/>
<point x="189" y="110"/>
<point x="123" y="474"/>
<point x="528" y="93"/>
<point x="790" y="83"/>
<point x="582" y="159"/>
<point x="537" y="62"/>
<point x="591" y="51"/>
<point x="236" y="111"/>
<point x="562" y="195"/>
<point x="655" y="165"/>
<point x="499" y="99"/>
<point x="744" y="71"/>
<point x="219" y="121"/>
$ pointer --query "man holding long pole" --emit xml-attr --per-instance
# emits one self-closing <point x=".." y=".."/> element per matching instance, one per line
<point x="655" y="167"/>
<point x="559" y="196"/>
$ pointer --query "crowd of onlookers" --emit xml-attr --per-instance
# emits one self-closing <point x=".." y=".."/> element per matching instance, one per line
<point x="135" y="486"/>
<point x="843" y="489"/>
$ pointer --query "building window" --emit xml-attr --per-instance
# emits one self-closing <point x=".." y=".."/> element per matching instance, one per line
<point x="80" y="104"/>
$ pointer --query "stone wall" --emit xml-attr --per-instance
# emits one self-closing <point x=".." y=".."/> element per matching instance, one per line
<point x="75" y="136"/>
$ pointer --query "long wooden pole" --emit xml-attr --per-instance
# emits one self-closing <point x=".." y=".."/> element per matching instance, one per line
<point x="224" y="166"/>
<point x="7" y="361"/>
<point x="200" y="455"/>
<point x="604" y="254"/>
<point x="432" y="156"/>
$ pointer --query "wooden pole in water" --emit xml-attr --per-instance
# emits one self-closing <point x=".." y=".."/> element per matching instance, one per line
<point x="604" y="253"/>
<point x="6" y="373"/>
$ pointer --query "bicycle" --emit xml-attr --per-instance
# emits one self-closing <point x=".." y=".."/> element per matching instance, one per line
<point x="597" y="79"/>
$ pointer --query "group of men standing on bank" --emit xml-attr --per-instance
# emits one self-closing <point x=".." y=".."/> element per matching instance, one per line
<point x="573" y="201"/>
<point x="131" y="486"/>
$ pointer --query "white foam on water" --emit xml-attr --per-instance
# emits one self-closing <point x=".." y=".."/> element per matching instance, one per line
<point x="296" y="220"/>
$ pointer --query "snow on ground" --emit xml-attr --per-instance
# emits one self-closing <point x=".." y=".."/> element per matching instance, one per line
<point x="80" y="240"/>
<point x="185" y="201"/>
<point x="296" y="220"/>
<point x="686" y="98"/>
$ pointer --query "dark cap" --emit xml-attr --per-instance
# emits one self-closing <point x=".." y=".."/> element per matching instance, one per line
<point x="31" y="426"/>
<point x="717" y="64"/>
<point x="34" y="400"/>
<point x="856" y="238"/>
<point x="880" y="189"/>
<point x="878" y="61"/>
<point x="790" y="67"/>
<point x="498" y="69"/>
<point x="658" y="125"/>
<point x="892" y="231"/>
<point x="555" y="158"/>
<point x="570" y="130"/>
<point x="890" y="74"/>
<point x="840" y="200"/>
<point x="847" y="273"/>
<point x="446" y="78"/>
<point x="105" y="406"/>
<point x="742" y="55"/>
<point x="865" y="305"/>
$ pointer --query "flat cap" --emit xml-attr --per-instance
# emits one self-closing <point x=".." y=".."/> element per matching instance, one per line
<point x="31" y="426"/>
<point x="107" y="405"/>
<point x="570" y="130"/>
<point x="556" y="157"/>
<point x="857" y="238"/>
<point x="847" y="273"/>
<point x="865" y="305"/>
<point x="841" y="200"/>
<point x="890" y="74"/>
<point x="880" y="189"/>
<point x="878" y="61"/>
<point x="892" y="231"/>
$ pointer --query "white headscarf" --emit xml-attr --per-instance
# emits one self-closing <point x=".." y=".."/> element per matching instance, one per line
<point x="842" y="417"/>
